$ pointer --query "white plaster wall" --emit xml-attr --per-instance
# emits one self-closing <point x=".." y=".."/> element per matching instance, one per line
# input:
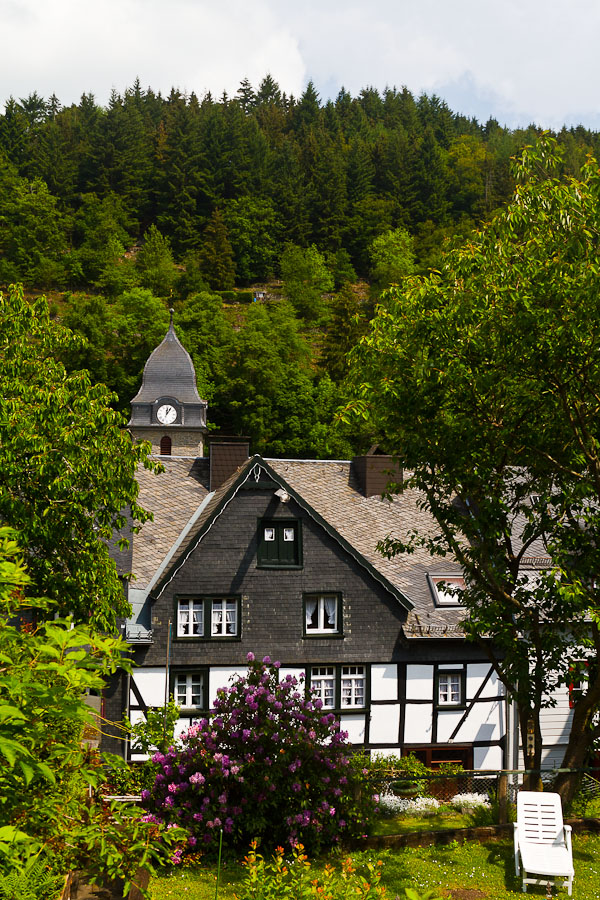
<point x="384" y="753"/>
<point x="288" y="670"/>
<point x="476" y="673"/>
<point x="419" y="682"/>
<point x="385" y="724"/>
<point x="487" y="757"/>
<point x="355" y="726"/>
<point x="447" y="720"/>
<point x="384" y="682"/>
<point x="222" y="677"/>
<point x="418" y="719"/>
<point x="151" y="685"/>
<point x="485" y="722"/>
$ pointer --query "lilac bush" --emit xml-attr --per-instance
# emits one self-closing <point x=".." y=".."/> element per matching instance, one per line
<point x="268" y="763"/>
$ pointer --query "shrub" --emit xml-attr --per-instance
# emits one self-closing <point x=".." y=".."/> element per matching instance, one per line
<point x="294" y="878"/>
<point x="269" y="763"/>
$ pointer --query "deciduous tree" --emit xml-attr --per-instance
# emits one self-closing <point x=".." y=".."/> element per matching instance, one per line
<point x="67" y="467"/>
<point x="484" y="378"/>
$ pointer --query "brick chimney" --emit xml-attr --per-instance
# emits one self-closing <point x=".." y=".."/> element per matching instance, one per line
<point x="375" y="471"/>
<point x="226" y="455"/>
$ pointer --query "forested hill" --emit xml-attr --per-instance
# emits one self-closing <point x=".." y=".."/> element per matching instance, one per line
<point x="157" y="200"/>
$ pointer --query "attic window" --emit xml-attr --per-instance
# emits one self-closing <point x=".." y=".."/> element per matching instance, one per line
<point x="165" y="446"/>
<point x="279" y="543"/>
<point x="447" y="589"/>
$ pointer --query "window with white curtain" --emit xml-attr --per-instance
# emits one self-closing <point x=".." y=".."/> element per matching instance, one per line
<point x="450" y="689"/>
<point x="207" y="617"/>
<point x="353" y="686"/>
<point x="322" y="682"/>
<point x="322" y="613"/>
<point x="339" y="687"/>
<point x="224" y="618"/>
<point x="188" y="689"/>
<point x="190" y="618"/>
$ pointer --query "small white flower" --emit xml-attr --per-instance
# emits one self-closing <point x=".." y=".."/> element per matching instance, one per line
<point x="470" y="801"/>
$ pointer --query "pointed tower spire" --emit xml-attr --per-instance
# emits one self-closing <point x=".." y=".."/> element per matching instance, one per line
<point x="167" y="410"/>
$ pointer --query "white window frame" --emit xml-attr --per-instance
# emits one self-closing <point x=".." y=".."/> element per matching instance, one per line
<point x="319" y="603"/>
<point x="190" y="616"/>
<point x="339" y="687"/>
<point x="447" y="695"/>
<point x="224" y="613"/>
<point x="187" y="680"/>
<point x="322" y="683"/>
<point x="353" y="693"/>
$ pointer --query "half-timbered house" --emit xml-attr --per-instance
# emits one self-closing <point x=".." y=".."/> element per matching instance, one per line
<point x="279" y="557"/>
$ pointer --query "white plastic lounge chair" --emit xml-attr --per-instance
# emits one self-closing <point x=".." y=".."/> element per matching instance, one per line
<point x="542" y="843"/>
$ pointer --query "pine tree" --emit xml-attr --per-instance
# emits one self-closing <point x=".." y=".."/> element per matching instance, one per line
<point x="216" y="254"/>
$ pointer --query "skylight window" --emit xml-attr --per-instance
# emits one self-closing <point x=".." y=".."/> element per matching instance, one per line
<point x="447" y="589"/>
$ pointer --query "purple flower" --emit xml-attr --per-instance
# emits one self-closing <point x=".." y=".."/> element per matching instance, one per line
<point x="267" y="660"/>
<point x="197" y="778"/>
<point x="250" y="657"/>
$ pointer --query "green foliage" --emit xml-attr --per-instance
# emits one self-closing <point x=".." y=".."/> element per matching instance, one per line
<point x="119" y="337"/>
<point x="45" y="771"/>
<point x="154" y="263"/>
<point x="268" y="755"/>
<point x="216" y="254"/>
<point x="412" y="894"/>
<point x="155" y="732"/>
<point x="305" y="279"/>
<point x="295" y="879"/>
<point x="392" y="258"/>
<point x="30" y="880"/>
<point x="57" y="433"/>
<point x="486" y="369"/>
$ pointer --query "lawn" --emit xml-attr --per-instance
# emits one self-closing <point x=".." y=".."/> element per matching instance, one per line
<point x="470" y="871"/>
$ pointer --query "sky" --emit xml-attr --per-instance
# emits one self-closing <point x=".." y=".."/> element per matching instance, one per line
<point x="518" y="61"/>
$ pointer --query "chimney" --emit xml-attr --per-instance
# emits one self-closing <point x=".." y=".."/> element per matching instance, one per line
<point x="375" y="471"/>
<point x="226" y="455"/>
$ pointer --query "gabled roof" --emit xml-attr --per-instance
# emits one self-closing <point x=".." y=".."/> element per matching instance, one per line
<point x="184" y="511"/>
<point x="222" y="498"/>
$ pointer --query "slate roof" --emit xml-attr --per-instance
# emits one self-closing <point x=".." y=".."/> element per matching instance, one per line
<point x="329" y="492"/>
<point x="173" y="497"/>
<point x="169" y="371"/>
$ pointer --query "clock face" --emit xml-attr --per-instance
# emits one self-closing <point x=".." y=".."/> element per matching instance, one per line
<point x="166" y="414"/>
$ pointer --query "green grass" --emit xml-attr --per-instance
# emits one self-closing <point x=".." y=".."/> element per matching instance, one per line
<point x="401" y="824"/>
<point x="487" y="868"/>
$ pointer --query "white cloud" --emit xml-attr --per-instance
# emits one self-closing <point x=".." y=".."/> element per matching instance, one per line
<point x="519" y="60"/>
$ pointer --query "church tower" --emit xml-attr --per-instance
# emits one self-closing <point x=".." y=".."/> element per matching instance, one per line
<point x="167" y="410"/>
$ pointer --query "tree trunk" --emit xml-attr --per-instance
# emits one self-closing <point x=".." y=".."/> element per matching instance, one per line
<point x="531" y="743"/>
<point x="581" y="740"/>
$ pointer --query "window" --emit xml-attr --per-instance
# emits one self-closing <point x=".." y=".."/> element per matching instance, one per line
<point x="165" y="446"/>
<point x="209" y="617"/>
<point x="339" y="687"/>
<point x="188" y="689"/>
<point x="353" y="686"/>
<point x="322" y="682"/>
<point x="451" y="688"/>
<point x="224" y="618"/>
<point x="446" y="589"/>
<point x="190" y="618"/>
<point x="279" y="543"/>
<point x="322" y="614"/>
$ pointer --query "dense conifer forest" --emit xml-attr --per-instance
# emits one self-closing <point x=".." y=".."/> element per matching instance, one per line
<point x="120" y="212"/>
